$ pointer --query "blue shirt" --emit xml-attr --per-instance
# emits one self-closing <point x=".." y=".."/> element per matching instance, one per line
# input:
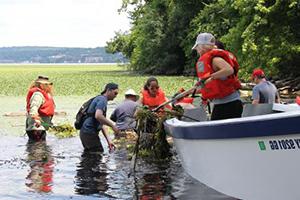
<point x="91" y="125"/>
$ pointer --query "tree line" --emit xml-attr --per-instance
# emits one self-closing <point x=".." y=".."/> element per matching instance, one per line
<point x="261" y="33"/>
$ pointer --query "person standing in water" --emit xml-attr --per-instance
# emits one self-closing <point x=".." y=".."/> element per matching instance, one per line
<point x="40" y="108"/>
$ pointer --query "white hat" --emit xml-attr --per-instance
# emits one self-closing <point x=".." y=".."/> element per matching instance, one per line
<point x="131" y="92"/>
<point x="205" y="38"/>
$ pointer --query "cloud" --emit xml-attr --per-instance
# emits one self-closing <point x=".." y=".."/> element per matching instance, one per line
<point x="69" y="23"/>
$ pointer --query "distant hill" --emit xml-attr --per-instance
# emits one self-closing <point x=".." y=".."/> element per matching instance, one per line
<point x="58" y="55"/>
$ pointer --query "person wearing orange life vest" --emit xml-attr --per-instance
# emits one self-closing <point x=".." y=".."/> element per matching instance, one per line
<point x="40" y="108"/>
<point x="222" y="84"/>
<point x="152" y="95"/>
<point x="184" y="102"/>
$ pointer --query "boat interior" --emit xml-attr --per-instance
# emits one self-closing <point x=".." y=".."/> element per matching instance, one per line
<point x="200" y="113"/>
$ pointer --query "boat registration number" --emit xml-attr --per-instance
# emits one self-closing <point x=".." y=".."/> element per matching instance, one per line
<point x="284" y="144"/>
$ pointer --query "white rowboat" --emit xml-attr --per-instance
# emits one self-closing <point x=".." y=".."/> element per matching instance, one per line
<point x="255" y="157"/>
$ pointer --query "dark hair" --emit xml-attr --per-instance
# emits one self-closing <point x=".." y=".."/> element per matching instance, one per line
<point x="149" y="80"/>
<point x="220" y="44"/>
<point x="110" y="86"/>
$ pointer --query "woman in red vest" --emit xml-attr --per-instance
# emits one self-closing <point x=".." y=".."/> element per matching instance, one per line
<point x="40" y="108"/>
<point x="222" y="85"/>
<point x="152" y="95"/>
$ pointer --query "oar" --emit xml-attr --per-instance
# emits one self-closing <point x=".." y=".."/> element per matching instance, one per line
<point x="199" y="84"/>
<point x="179" y="96"/>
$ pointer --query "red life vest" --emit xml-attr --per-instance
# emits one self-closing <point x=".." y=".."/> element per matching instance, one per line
<point x="47" y="108"/>
<point x="217" y="88"/>
<point x="153" y="102"/>
<point x="186" y="100"/>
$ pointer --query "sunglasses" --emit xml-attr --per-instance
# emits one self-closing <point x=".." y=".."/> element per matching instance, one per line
<point x="153" y="87"/>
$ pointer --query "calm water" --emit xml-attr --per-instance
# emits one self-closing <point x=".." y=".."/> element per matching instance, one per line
<point x="59" y="169"/>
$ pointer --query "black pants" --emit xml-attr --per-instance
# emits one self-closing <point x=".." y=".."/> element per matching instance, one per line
<point x="36" y="135"/>
<point x="228" y="110"/>
<point x="91" y="142"/>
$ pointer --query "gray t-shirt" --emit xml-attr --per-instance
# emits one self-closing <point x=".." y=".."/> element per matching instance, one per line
<point x="91" y="125"/>
<point x="123" y="115"/>
<point x="265" y="92"/>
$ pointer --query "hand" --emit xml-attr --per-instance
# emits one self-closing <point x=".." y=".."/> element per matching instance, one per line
<point x="111" y="147"/>
<point x="116" y="130"/>
<point x="37" y="123"/>
<point x="208" y="80"/>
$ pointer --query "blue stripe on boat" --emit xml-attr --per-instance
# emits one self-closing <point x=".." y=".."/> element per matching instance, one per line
<point x="248" y="128"/>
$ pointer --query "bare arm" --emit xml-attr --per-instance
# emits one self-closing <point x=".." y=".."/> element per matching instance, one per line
<point x="111" y="145"/>
<point x="102" y="119"/>
<point x="221" y="67"/>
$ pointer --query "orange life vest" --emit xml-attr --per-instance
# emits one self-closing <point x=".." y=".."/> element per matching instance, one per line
<point x="186" y="100"/>
<point x="47" y="108"/>
<point x="217" y="88"/>
<point x="153" y="102"/>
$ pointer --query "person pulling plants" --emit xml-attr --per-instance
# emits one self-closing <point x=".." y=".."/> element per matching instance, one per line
<point x="96" y="120"/>
<point x="40" y="108"/>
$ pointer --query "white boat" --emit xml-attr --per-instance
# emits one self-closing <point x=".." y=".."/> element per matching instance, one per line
<point x="251" y="158"/>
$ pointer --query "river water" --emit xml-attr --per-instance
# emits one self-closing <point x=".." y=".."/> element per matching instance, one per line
<point x="59" y="168"/>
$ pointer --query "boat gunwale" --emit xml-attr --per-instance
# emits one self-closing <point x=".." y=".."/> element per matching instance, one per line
<point x="283" y="123"/>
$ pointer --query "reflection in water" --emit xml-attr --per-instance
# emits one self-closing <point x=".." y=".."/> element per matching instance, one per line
<point x="91" y="177"/>
<point x="41" y="162"/>
<point x="153" y="187"/>
<point x="154" y="184"/>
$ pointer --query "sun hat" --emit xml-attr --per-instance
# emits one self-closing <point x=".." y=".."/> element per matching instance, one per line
<point x="258" y="73"/>
<point x="204" y="38"/>
<point x="43" y="80"/>
<point x="110" y="86"/>
<point x="130" y="92"/>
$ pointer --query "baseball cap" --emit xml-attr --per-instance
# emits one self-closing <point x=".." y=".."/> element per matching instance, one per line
<point x="204" y="38"/>
<point x="258" y="73"/>
<point x="110" y="86"/>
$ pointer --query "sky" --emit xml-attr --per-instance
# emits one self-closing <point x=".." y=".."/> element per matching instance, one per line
<point x="60" y="23"/>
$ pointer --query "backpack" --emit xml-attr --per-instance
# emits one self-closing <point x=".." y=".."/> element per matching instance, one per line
<point x="82" y="114"/>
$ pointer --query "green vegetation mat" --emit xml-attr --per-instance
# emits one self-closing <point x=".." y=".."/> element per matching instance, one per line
<point x="81" y="80"/>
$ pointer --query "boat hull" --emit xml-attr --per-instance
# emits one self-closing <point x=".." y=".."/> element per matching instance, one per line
<point x="265" y="166"/>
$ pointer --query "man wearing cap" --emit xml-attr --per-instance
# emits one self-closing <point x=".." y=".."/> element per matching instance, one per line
<point x="94" y="123"/>
<point x="40" y="108"/>
<point x="222" y="84"/>
<point x="124" y="113"/>
<point x="264" y="91"/>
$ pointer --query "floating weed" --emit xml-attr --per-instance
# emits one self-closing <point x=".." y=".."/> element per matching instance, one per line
<point x="63" y="131"/>
<point x="81" y="80"/>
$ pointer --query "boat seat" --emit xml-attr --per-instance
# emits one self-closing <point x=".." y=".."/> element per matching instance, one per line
<point x="257" y="109"/>
<point x="194" y="114"/>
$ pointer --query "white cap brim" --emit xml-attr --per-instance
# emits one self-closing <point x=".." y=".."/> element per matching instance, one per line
<point x="194" y="47"/>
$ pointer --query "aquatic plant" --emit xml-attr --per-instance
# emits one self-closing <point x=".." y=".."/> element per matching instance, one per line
<point x="152" y="136"/>
<point x="63" y="131"/>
